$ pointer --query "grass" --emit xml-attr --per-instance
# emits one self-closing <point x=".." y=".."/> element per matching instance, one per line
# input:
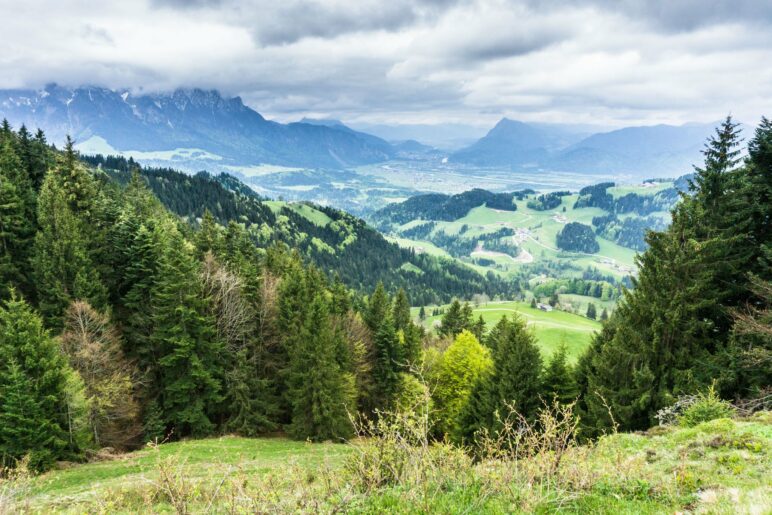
<point x="612" y="259"/>
<point x="550" y="328"/>
<point x="312" y="215"/>
<point x="722" y="467"/>
<point x="579" y="303"/>
<point x="259" y="456"/>
<point x="419" y="246"/>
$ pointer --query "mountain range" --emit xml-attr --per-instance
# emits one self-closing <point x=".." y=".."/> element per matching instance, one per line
<point x="206" y="124"/>
<point x="195" y="129"/>
<point x="665" y="150"/>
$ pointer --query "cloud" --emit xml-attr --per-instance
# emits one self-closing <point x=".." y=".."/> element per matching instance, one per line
<point x="420" y="61"/>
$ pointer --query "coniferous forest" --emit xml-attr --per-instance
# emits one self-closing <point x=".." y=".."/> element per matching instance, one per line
<point x="145" y="305"/>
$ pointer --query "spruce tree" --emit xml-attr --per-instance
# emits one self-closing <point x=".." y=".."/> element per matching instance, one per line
<point x="209" y="237"/>
<point x="62" y="264"/>
<point x="478" y="329"/>
<point x="17" y="223"/>
<point x="319" y="392"/>
<point x="517" y="368"/>
<point x="558" y="380"/>
<point x="386" y="365"/>
<point x="33" y="383"/>
<point x="457" y="318"/>
<point x="377" y="308"/>
<point x="185" y="339"/>
<point x="401" y="310"/>
<point x="591" y="312"/>
<point x="669" y="335"/>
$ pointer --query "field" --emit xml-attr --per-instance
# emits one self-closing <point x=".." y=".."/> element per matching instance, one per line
<point x="536" y="236"/>
<point x="722" y="466"/>
<point x="550" y="328"/>
<point x="312" y="215"/>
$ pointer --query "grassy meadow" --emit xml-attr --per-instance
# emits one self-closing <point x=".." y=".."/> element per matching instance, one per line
<point x="722" y="467"/>
<point x="550" y="328"/>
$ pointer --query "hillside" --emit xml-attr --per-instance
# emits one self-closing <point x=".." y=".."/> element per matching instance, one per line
<point x="721" y="466"/>
<point x="338" y="243"/>
<point x="519" y="236"/>
<point x="193" y="127"/>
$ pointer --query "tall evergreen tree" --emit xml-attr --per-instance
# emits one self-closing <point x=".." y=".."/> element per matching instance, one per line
<point x="319" y="391"/>
<point x="401" y="310"/>
<point x="17" y="223"/>
<point x="517" y="368"/>
<point x="33" y="382"/>
<point x="669" y="335"/>
<point x="456" y="319"/>
<point x="22" y="424"/>
<point x="514" y="384"/>
<point x="558" y="381"/>
<point x="63" y="268"/>
<point x="184" y="334"/>
<point x="386" y="365"/>
<point x="377" y="308"/>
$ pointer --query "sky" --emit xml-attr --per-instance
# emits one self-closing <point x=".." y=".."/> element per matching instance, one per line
<point x="610" y="62"/>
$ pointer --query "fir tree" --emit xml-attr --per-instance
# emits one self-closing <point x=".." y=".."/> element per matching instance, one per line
<point x="318" y="390"/>
<point x="23" y="428"/>
<point x="457" y="318"/>
<point x="516" y="373"/>
<point x="558" y="380"/>
<point x="478" y="329"/>
<point x="209" y="237"/>
<point x="377" y="308"/>
<point x="33" y="380"/>
<point x="669" y="335"/>
<point x="386" y="365"/>
<point x="17" y="218"/>
<point x="184" y="334"/>
<point x="401" y="310"/>
<point x="63" y="268"/>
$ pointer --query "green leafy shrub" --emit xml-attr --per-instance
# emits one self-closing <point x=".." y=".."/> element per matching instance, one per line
<point x="707" y="406"/>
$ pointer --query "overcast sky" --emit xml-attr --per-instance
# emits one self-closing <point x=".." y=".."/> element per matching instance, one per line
<point x="424" y="61"/>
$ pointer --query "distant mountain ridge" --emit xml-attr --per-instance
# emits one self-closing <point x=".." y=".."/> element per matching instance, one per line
<point x="645" y="150"/>
<point x="188" y="119"/>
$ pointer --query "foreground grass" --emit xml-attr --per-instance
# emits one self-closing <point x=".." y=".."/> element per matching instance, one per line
<point x="722" y="466"/>
<point x="201" y="459"/>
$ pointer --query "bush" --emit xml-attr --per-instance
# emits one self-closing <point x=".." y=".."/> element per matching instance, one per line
<point x="707" y="406"/>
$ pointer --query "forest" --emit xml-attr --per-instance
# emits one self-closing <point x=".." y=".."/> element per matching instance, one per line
<point x="128" y="316"/>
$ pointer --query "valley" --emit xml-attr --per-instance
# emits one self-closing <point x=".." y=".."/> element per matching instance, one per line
<point x="520" y="240"/>
<point x="386" y="256"/>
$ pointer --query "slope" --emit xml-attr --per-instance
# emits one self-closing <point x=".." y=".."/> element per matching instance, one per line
<point x="335" y="241"/>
